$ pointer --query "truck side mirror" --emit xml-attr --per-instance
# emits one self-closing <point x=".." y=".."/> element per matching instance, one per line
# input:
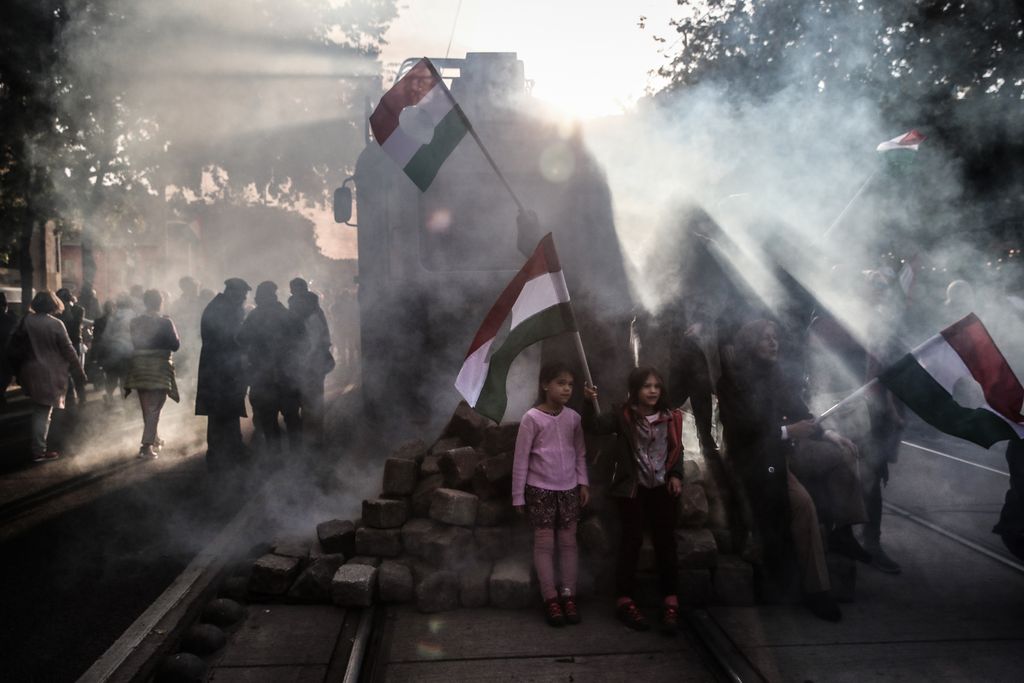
<point x="343" y="204"/>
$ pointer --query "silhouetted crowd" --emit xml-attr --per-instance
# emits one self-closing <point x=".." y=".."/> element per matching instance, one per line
<point x="207" y="347"/>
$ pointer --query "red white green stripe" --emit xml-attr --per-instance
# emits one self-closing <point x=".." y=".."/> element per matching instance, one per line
<point x="536" y="305"/>
<point x="422" y="89"/>
<point x="925" y="379"/>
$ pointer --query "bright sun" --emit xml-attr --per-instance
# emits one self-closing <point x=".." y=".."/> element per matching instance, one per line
<point x="585" y="60"/>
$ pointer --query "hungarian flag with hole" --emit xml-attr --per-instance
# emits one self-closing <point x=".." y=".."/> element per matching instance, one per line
<point x="418" y="123"/>
<point x="927" y="378"/>
<point x="535" y="306"/>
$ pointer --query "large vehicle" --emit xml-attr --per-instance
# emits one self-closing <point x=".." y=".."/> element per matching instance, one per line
<point x="431" y="263"/>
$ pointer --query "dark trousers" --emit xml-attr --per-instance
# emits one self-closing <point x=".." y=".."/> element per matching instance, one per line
<point x="269" y="401"/>
<point x="223" y="441"/>
<point x="311" y="398"/>
<point x="651" y="510"/>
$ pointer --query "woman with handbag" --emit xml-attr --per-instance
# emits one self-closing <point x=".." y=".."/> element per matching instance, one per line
<point x="46" y="356"/>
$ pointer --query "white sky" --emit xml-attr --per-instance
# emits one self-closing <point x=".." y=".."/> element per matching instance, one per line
<point x="586" y="58"/>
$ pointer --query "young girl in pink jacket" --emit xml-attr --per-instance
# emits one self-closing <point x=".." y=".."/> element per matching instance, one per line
<point x="550" y="485"/>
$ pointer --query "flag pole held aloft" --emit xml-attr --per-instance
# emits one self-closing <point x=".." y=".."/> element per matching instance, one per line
<point x="926" y="378"/>
<point x="476" y="136"/>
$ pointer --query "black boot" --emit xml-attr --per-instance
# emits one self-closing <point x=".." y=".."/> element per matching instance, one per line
<point x="823" y="606"/>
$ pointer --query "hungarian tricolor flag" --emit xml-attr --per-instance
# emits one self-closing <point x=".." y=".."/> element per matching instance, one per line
<point x="908" y="142"/>
<point x="536" y="306"/>
<point x="924" y="379"/>
<point x="900" y="152"/>
<point x="418" y="123"/>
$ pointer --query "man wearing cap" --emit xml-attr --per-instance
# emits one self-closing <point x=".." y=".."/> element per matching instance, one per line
<point x="220" y="390"/>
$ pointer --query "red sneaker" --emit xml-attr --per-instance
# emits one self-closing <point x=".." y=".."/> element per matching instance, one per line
<point x="630" y="615"/>
<point x="553" y="613"/>
<point x="670" y="620"/>
<point x="572" y="614"/>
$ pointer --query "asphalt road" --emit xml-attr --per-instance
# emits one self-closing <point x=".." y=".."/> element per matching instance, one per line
<point x="951" y="483"/>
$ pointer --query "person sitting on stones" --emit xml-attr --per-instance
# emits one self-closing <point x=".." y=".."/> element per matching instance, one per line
<point x="762" y="417"/>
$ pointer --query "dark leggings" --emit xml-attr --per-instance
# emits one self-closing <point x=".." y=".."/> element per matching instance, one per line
<point x="653" y="510"/>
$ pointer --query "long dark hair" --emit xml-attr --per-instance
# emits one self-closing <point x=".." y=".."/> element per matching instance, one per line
<point x="637" y="378"/>
<point x="548" y="372"/>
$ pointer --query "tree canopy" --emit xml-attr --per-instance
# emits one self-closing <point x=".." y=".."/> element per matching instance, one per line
<point x="117" y="112"/>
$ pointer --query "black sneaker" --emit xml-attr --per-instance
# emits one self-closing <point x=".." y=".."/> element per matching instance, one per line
<point x="823" y="606"/>
<point x="629" y="614"/>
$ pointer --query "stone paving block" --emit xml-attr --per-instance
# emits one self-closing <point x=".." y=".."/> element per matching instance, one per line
<point x="500" y="438"/>
<point x="474" y="580"/>
<point x="379" y="542"/>
<point x="183" y="667"/>
<point x="446" y="444"/>
<point x="292" y="546"/>
<point x="693" y="506"/>
<point x="454" y="507"/>
<point x="203" y="639"/>
<point x="493" y="542"/>
<point x="414" y="533"/>
<point x="222" y="612"/>
<point x="438" y="592"/>
<point x="695" y="587"/>
<point x="457" y="467"/>
<point x="468" y="425"/>
<point x="446" y="546"/>
<point x="510" y="586"/>
<point x="430" y="466"/>
<point x="365" y="559"/>
<point x="696" y="548"/>
<point x="414" y="449"/>
<point x="384" y="513"/>
<point x="394" y="582"/>
<point x="353" y="585"/>
<point x="494" y="511"/>
<point x="493" y="477"/>
<point x="337" y="536"/>
<point x="400" y="476"/>
<point x="273" y="574"/>
<point x="423" y="494"/>
<point x="593" y="536"/>
<point x="314" y="583"/>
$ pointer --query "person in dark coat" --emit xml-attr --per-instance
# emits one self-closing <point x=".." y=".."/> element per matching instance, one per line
<point x="269" y="336"/>
<point x="8" y="321"/>
<point x="220" y="390"/>
<point x="313" y="356"/>
<point x="762" y="415"/>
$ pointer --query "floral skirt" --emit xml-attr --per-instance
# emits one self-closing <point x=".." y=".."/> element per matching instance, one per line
<point x="552" y="509"/>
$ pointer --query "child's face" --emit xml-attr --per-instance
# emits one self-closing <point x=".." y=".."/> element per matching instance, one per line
<point x="559" y="390"/>
<point x="650" y="392"/>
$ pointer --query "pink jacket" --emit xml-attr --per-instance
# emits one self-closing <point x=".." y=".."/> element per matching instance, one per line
<point x="549" y="453"/>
